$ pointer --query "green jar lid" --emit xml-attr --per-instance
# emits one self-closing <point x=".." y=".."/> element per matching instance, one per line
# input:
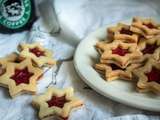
<point x="15" y="14"/>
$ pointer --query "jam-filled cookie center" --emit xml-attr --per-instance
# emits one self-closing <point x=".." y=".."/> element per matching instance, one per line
<point x="150" y="48"/>
<point x="154" y="75"/>
<point x="115" y="67"/>
<point x="57" y="101"/>
<point x="37" y="52"/>
<point x="150" y="25"/>
<point x="120" y="51"/>
<point x="126" y="31"/>
<point x="21" y="76"/>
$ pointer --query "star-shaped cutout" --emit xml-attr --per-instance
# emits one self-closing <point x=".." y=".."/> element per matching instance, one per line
<point x="56" y="102"/>
<point x="20" y="77"/>
<point x="150" y="47"/>
<point x="113" y="72"/>
<point x="122" y="32"/>
<point x="145" y="27"/>
<point x="119" y="53"/>
<point x="149" y="76"/>
<point x="37" y="53"/>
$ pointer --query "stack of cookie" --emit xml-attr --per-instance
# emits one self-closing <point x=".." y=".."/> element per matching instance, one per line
<point x="20" y="71"/>
<point x="132" y="50"/>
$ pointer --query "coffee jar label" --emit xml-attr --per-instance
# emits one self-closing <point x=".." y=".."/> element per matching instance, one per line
<point x="14" y="14"/>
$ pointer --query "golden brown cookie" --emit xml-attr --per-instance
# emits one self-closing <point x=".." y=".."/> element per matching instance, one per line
<point x="99" y="46"/>
<point x="20" y="77"/>
<point x="122" y="32"/>
<point x="37" y="53"/>
<point x="119" y="53"/>
<point x="56" y="102"/>
<point x="149" y="76"/>
<point x="113" y="72"/>
<point x="150" y="47"/>
<point x="145" y="27"/>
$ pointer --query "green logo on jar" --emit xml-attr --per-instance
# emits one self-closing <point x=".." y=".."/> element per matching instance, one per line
<point x="14" y="13"/>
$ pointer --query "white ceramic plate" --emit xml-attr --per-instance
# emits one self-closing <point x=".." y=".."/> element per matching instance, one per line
<point x="118" y="90"/>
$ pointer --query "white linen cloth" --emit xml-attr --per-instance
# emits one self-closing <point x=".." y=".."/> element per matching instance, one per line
<point x="77" y="18"/>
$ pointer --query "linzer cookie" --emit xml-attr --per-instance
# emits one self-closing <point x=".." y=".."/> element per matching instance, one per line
<point x="119" y="53"/>
<point x="56" y="102"/>
<point x="20" y="77"/>
<point x="122" y="32"/>
<point x="145" y="27"/>
<point x="37" y="53"/>
<point x="149" y="76"/>
<point x="113" y="72"/>
<point x="150" y="47"/>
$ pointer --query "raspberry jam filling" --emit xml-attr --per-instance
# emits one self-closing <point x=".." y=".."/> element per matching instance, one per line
<point x="37" y="51"/>
<point x="154" y="75"/>
<point x="150" y="49"/>
<point x="120" y="51"/>
<point x="140" y="37"/>
<point x="149" y="25"/>
<point x="125" y="31"/>
<point x="17" y="60"/>
<point x="64" y="118"/>
<point x="57" y="101"/>
<point x="115" y="67"/>
<point x="21" y="76"/>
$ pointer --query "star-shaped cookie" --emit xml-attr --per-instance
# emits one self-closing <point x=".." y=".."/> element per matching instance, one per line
<point x="149" y="76"/>
<point x="20" y="77"/>
<point x="122" y="32"/>
<point x="37" y="53"/>
<point x="113" y="72"/>
<point x="150" y="47"/>
<point x="56" y="102"/>
<point x="119" y="53"/>
<point x="145" y="27"/>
